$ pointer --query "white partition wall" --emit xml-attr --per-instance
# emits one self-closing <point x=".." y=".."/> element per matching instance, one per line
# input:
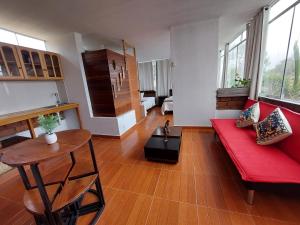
<point x="194" y="55"/>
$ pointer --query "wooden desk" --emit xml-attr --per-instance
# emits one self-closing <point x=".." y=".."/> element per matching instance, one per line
<point x="29" y="115"/>
<point x="57" y="203"/>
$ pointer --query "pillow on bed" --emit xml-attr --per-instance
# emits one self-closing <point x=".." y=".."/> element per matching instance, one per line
<point x="273" y="128"/>
<point x="249" y="116"/>
<point x="142" y="95"/>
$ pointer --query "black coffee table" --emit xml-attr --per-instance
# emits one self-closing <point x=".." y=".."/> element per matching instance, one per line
<point x="158" y="149"/>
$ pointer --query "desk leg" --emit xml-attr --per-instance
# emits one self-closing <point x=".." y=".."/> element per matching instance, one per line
<point x="31" y="128"/>
<point x="97" y="183"/>
<point x="78" y="117"/>
<point x="24" y="177"/>
<point x="40" y="184"/>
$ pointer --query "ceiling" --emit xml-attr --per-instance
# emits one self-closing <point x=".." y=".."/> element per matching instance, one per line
<point x="121" y="19"/>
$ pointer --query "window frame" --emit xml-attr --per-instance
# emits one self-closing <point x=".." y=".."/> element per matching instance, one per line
<point x="223" y="74"/>
<point x="281" y="99"/>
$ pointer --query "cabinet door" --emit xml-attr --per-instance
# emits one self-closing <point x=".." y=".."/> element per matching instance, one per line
<point x="49" y="65"/>
<point x="11" y="59"/>
<point x="56" y="64"/>
<point x="38" y="63"/>
<point x="3" y="66"/>
<point x="27" y="63"/>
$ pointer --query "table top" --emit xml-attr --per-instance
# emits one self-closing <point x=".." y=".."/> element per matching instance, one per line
<point x="158" y="143"/>
<point x="173" y="132"/>
<point x="37" y="150"/>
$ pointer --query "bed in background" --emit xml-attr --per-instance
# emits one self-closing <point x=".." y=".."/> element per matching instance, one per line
<point x="168" y="105"/>
<point x="148" y="99"/>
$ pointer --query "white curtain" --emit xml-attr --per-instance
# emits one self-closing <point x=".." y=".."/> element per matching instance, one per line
<point x="164" y="79"/>
<point x="146" y="76"/>
<point x="255" y="46"/>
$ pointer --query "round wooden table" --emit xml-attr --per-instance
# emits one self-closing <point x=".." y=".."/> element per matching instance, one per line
<point x="57" y="202"/>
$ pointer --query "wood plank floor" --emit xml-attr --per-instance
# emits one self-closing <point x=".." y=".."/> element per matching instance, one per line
<point x="202" y="189"/>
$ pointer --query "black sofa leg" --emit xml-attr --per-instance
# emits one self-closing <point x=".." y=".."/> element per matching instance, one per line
<point x="250" y="197"/>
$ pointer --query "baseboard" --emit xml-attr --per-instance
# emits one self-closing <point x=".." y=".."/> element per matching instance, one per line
<point x="106" y="136"/>
<point x="201" y="128"/>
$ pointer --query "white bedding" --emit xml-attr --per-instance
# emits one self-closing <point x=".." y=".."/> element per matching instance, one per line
<point x="148" y="102"/>
<point x="168" y="105"/>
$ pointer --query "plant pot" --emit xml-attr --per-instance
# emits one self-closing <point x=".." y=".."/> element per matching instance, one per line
<point x="50" y="138"/>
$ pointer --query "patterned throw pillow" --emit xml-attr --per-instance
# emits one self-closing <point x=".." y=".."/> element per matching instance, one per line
<point x="273" y="128"/>
<point x="249" y="117"/>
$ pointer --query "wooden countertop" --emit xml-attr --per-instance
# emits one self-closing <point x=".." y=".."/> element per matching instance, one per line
<point x="29" y="114"/>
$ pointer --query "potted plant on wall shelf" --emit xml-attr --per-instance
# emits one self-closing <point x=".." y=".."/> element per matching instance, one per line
<point x="240" y="88"/>
<point x="49" y="123"/>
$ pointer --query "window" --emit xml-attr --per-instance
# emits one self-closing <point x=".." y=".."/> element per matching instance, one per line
<point x="234" y="68"/>
<point x="22" y="40"/>
<point x="221" y="66"/>
<point x="281" y="69"/>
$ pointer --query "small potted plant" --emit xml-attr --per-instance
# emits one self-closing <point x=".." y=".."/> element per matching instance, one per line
<point x="49" y="123"/>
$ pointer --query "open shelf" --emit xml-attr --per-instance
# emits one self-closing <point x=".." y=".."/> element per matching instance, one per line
<point x="32" y="199"/>
<point x="73" y="190"/>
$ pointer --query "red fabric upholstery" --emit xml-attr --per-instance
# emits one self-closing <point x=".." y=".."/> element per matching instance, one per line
<point x="278" y="163"/>
<point x="249" y="103"/>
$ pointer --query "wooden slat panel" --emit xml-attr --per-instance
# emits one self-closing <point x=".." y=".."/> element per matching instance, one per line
<point x="229" y="103"/>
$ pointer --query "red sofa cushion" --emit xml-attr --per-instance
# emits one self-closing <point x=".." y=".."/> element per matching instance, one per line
<point x="290" y="145"/>
<point x="254" y="162"/>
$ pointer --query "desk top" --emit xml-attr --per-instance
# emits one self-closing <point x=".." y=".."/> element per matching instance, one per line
<point x="27" y="114"/>
<point x="37" y="150"/>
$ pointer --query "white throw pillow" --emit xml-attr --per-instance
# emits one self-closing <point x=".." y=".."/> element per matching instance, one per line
<point x="249" y="116"/>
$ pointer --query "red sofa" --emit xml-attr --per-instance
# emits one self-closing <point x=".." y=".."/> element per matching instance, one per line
<point x="257" y="164"/>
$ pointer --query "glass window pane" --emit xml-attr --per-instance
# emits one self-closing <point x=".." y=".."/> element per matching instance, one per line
<point x="241" y="60"/>
<point x="279" y="7"/>
<point x="235" y="42"/>
<point x="8" y="37"/>
<point x="30" y="42"/>
<point x="291" y="88"/>
<point x="275" y="55"/>
<point x="231" y="68"/>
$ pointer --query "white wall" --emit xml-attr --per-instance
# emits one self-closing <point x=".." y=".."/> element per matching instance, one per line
<point x="194" y="50"/>
<point x="228" y="114"/>
<point x="152" y="45"/>
<point x="23" y="95"/>
<point x="70" y="46"/>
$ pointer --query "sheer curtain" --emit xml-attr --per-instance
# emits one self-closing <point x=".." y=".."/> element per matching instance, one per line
<point x="164" y="79"/>
<point x="256" y="33"/>
<point x="146" y="76"/>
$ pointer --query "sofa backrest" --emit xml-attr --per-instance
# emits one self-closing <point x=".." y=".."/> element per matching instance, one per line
<point x="290" y="145"/>
<point x="249" y="103"/>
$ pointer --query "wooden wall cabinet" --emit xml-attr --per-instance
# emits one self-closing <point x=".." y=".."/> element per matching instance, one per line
<point x="52" y="65"/>
<point x="32" y="63"/>
<point x="10" y="66"/>
<point x="107" y="82"/>
<point x="21" y="63"/>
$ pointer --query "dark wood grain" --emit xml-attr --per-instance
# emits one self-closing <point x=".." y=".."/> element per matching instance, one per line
<point x="33" y="202"/>
<point x="103" y="69"/>
<point x="228" y="103"/>
<point x="36" y="150"/>
<point x="72" y="190"/>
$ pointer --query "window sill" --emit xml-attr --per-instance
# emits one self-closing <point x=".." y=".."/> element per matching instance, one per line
<point x="233" y="92"/>
<point x="289" y="105"/>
